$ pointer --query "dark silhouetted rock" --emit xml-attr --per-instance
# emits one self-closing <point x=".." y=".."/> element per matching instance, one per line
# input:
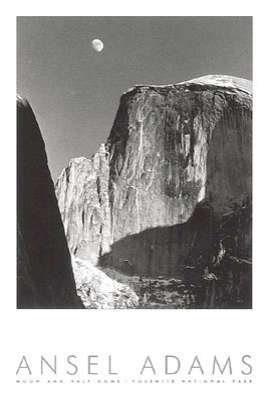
<point x="44" y="273"/>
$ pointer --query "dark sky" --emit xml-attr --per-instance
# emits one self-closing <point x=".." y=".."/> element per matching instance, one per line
<point x="75" y="91"/>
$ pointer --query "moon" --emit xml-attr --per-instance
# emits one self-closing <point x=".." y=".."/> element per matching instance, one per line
<point x="97" y="45"/>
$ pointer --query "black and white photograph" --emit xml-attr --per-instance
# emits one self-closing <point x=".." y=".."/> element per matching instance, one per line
<point x="134" y="162"/>
<point x="133" y="199"/>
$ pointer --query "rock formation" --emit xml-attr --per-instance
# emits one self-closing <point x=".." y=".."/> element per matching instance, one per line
<point x="154" y="197"/>
<point x="83" y="197"/>
<point x="44" y="272"/>
<point x="97" y="290"/>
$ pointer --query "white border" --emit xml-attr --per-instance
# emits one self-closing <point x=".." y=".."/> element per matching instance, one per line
<point x="135" y="332"/>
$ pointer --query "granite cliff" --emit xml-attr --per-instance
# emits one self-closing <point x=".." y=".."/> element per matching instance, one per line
<point x="176" y="166"/>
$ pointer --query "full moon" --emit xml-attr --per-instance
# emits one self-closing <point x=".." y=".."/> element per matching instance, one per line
<point x="97" y="45"/>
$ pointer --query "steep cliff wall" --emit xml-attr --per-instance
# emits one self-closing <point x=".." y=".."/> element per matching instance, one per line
<point x="177" y="160"/>
<point x="44" y="271"/>
<point x="83" y="197"/>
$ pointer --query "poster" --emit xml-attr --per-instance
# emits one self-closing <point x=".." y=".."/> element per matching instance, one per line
<point x="134" y="207"/>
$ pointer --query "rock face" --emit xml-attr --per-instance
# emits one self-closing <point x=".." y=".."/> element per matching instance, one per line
<point x="97" y="290"/>
<point x="176" y="163"/>
<point x="83" y="197"/>
<point x="44" y="272"/>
